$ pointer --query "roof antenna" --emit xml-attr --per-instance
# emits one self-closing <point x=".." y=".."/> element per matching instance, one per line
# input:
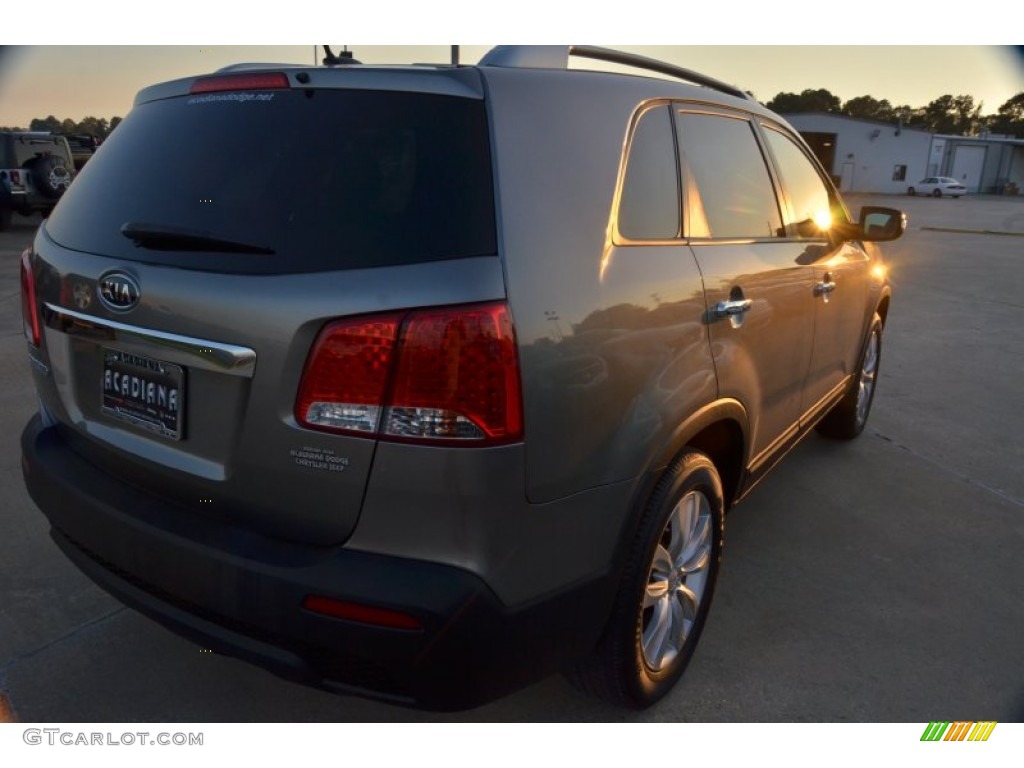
<point x="455" y="55"/>
<point x="343" y="59"/>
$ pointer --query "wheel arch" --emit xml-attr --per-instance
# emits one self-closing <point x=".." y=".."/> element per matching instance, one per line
<point x="718" y="430"/>
<point x="882" y="307"/>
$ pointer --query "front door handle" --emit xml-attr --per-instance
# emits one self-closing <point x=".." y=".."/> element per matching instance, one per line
<point x="732" y="307"/>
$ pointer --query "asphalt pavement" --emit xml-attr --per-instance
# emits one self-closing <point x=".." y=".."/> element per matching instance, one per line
<point x="877" y="580"/>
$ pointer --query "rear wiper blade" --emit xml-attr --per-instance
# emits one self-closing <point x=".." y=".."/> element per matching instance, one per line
<point x="160" y="237"/>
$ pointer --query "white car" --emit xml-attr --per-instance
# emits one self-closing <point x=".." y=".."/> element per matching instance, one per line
<point x="937" y="186"/>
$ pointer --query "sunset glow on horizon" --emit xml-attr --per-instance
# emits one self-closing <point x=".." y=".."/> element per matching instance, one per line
<point x="78" y="81"/>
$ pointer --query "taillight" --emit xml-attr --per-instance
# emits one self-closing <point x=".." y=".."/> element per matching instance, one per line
<point x="344" y="383"/>
<point x="29" y="308"/>
<point x="16" y="177"/>
<point x="448" y="374"/>
<point x="262" y="81"/>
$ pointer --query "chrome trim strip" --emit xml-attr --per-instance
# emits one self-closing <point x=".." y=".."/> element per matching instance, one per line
<point x="812" y="414"/>
<point x="169" y="347"/>
<point x="38" y="364"/>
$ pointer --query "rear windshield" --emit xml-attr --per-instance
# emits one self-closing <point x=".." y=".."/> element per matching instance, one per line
<point x="24" y="149"/>
<point x="323" y="179"/>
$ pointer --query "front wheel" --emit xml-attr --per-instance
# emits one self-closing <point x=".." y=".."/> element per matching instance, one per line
<point x="911" y="191"/>
<point x="848" y="418"/>
<point x="937" y="193"/>
<point x="666" y="589"/>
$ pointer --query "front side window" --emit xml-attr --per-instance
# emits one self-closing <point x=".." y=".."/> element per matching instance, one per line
<point x="810" y="209"/>
<point x="649" y="207"/>
<point x="728" y="186"/>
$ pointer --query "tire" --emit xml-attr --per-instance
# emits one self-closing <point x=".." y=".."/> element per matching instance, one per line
<point x="51" y="175"/>
<point x="850" y="415"/>
<point x="5" y="218"/>
<point x="911" y="192"/>
<point x="665" y="592"/>
<point x="937" y="193"/>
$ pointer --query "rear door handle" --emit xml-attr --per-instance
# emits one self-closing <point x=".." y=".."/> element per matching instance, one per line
<point x="730" y="308"/>
<point x="824" y="288"/>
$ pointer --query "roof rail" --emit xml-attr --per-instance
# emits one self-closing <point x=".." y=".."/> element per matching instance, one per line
<point x="557" y="57"/>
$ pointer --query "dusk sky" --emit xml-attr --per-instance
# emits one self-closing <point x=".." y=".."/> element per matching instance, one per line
<point x="77" y="81"/>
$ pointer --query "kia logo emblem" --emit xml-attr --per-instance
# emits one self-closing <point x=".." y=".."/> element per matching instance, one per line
<point x="118" y="291"/>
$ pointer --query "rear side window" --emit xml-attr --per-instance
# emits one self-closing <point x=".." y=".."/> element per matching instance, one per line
<point x="728" y="186"/>
<point x="809" y="200"/>
<point x="28" y="148"/>
<point x="324" y="179"/>
<point x="649" y="208"/>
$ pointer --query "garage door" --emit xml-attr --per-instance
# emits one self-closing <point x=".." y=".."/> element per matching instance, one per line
<point x="968" y="163"/>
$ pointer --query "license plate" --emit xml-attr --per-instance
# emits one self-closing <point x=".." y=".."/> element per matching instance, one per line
<point x="145" y="392"/>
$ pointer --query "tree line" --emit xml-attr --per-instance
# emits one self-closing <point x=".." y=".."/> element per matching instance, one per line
<point x="958" y="115"/>
<point x="98" y="127"/>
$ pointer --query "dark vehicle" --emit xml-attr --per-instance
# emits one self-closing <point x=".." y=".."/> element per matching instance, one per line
<point x="83" y="146"/>
<point x="424" y="382"/>
<point x="35" y="170"/>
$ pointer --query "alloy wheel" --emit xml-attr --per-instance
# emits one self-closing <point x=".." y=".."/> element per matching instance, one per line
<point x="677" y="580"/>
<point x="869" y="371"/>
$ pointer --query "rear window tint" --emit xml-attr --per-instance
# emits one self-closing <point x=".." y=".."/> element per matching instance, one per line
<point x="327" y="179"/>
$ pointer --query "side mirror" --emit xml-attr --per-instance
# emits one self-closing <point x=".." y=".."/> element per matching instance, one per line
<point x="879" y="224"/>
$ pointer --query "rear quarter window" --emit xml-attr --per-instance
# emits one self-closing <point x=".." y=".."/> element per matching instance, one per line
<point x="649" y="207"/>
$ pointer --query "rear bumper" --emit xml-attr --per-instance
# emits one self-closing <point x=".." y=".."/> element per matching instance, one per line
<point x="240" y="593"/>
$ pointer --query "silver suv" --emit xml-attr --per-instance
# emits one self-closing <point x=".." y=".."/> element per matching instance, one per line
<point x="424" y="382"/>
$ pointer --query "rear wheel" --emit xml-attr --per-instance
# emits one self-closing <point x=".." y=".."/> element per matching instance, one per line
<point x="5" y="218"/>
<point x="666" y="589"/>
<point x="848" y="418"/>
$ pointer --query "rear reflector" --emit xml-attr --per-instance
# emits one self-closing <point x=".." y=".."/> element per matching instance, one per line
<point x="29" y="308"/>
<point x="244" y="82"/>
<point x="436" y="375"/>
<point x="364" y="614"/>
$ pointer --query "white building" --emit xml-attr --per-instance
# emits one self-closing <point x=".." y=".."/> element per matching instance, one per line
<point x="878" y="156"/>
<point x="984" y="164"/>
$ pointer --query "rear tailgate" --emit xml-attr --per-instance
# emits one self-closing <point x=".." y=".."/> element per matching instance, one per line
<point x="174" y="361"/>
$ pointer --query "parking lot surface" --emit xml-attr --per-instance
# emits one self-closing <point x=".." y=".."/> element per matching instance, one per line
<point x="877" y="580"/>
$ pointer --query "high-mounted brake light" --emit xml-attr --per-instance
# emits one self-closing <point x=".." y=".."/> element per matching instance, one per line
<point x="29" y="308"/>
<point x="436" y="375"/>
<point x="263" y="81"/>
